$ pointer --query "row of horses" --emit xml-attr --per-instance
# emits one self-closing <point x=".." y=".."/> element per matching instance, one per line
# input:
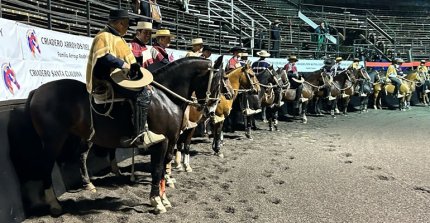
<point x="62" y="115"/>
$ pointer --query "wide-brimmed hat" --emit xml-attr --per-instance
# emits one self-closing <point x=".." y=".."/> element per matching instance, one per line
<point x="399" y="60"/>
<point x="207" y="48"/>
<point x="339" y="59"/>
<point x="163" y="32"/>
<point x="142" y="26"/>
<point x="196" y="41"/>
<point x="356" y="60"/>
<point x="423" y="61"/>
<point x="235" y="49"/>
<point x="116" y="14"/>
<point x="244" y="54"/>
<point x="293" y="58"/>
<point x="119" y="76"/>
<point x="277" y="21"/>
<point x="263" y="53"/>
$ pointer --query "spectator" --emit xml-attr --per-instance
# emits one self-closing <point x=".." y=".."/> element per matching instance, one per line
<point x="183" y="4"/>
<point x="142" y="7"/>
<point x="321" y="32"/>
<point x="155" y="14"/>
<point x="258" y="43"/>
<point x="371" y="38"/>
<point x="275" y="37"/>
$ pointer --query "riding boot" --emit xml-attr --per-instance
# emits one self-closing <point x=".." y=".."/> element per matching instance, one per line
<point x="144" y="138"/>
<point x="270" y="125"/>
<point x="275" y="124"/>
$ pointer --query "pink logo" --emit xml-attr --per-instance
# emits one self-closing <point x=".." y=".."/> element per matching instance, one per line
<point x="9" y="78"/>
<point x="33" y="44"/>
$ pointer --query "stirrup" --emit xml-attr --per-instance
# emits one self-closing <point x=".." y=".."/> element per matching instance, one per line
<point x="331" y="98"/>
<point x="399" y="96"/>
<point x="426" y="91"/>
<point x="363" y="95"/>
<point x="344" y="95"/>
<point x="303" y="100"/>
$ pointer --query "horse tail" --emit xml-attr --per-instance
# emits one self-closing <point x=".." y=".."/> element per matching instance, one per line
<point x="27" y="103"/>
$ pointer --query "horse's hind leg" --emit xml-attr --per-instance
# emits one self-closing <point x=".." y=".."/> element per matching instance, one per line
<point x="304" y="111"/>
<point x="216" y="144"/>
<point x="247" y="122"/>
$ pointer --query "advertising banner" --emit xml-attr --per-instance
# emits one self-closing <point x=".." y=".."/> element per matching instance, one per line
<point x="10" y="46"/>
<point x="46" y="45"/>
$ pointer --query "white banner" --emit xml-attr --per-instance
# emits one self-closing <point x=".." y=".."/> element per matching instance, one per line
<point x="10" y="46"/>
<point x="46" y="45"/>
<point x="19" y="77"/>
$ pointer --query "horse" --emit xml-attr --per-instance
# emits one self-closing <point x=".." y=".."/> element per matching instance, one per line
<point x="270" y="95"/>
<point x="368" y="87"/>
<point x="62" y="108"/>
<point x="184" y="142"/>
<point x="411" y="79"/>
<point x="388" y="88"/>
<point x="424" y="88"/>
<point x="341" y="86"/>
<point x="241" y="79"/>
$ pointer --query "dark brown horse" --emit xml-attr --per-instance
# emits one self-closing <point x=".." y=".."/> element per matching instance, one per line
<point x="61" y="108"/>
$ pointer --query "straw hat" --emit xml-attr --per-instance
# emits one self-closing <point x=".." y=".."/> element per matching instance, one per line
<point x="277" y="21"/>
<point x="339" y="59"/>
<point x="263" y="53"/>
<point x="243" y="54"/>
<point x="142" y="26"/>
<point x="399" y="60"/>
<point x="163" y="32"/>
<point x="423" y="61"/>
<point x="119" y="76"/>
<point x="197" y="41"/>
<point x="356" y="60"/>
<point x="290" y="58"/>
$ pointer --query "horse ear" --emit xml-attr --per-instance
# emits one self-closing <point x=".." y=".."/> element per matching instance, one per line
<point x="218" y="61"/>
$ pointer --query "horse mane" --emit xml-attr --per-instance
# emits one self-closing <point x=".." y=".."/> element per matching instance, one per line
<point x="173" y="66"/>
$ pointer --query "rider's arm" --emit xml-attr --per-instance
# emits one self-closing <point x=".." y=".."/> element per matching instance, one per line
<point x="110" y="61"/>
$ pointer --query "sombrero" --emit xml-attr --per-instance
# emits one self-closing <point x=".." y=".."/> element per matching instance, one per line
<point x="356" y="59"/>
<point x="197" y="41"/>
<point x="163" y="32"/>
<point x="263" y="53"/>
<point x="423" y="61"/>
<point x="119" y="76"/>
<point x="236" y="48"/>
<point x="292" y="58"/>
<point x="399" y="60"/>
<point x="339" y="59"/>
<point x="142" y="26"/>
<point x="243" y="54"/>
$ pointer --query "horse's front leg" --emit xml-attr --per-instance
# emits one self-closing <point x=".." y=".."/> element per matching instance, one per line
<point x="248" y="124"/>
<point x="217" y="141"/>
<point x="345" y="105"/>
<point x="187" y="148"/>
<point x="304" y="111"/>
<point x="375" y="100"/>
<point x="83" y="167"/>
<point x="157" y="197"/>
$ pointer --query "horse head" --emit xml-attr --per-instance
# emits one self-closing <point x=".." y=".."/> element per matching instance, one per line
<point x="251" y="81"/>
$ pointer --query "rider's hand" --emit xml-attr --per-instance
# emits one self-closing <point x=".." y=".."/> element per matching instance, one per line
<point x="135" y="72"/>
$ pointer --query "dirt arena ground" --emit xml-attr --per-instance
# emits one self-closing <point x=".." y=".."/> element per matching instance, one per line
<point x="370" y="167"/>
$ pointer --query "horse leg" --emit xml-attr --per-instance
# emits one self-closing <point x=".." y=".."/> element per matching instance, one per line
<point x="84" y="170"/>
<point x="187" y="147"/>
<point x="216" y="144"/>
<point x="247" y="123"/>
<point x="179" y="150"/>
<point x="158" y="154"/>
<point x="304" y="110"/>
<point x="345" y="105"/>
<point x="113" y="162"/>
<point x="332" y="105"/>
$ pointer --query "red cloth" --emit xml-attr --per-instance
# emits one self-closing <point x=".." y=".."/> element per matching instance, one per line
<point x="290" y="67"/>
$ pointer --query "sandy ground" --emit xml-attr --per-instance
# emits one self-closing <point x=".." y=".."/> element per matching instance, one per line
<point x="371" y="167"/>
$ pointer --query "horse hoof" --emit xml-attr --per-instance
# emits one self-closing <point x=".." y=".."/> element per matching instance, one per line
<point x="188" y="168"/>
<point x="219" y="154"/>
<point x="55" y="211"/>
<point x="179" y="167"/>
<point x="166" y="202"/>
<point x="156" y="202"/>
<point x="305" y="121"/>
<point x="90" y="187"/>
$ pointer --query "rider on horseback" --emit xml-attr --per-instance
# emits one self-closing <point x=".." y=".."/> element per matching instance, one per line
<point x="336" y="69"/>
<point x="423" y="72"/>
<point x="234" y="62"/>
<point x="392" y="75"/>
<point x="294" y="78"/>
<point x="109" y="51"/>
<point x="197" y="49"/>
<point x="355" y="68"/>
<point x="326" y="69"/>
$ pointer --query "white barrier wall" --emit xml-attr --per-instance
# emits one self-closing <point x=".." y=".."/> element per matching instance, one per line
<point x="31" y="56"/>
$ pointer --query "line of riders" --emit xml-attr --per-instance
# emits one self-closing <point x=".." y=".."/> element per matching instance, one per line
<point x="117" y="69"/>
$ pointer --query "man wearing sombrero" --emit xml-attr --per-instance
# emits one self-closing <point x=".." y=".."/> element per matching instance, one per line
<point x="335" y="70"/>
<point x="294" y="78"/>
<point x="206" y="52"/>
<point x="158" y="51"/>
<point x="244" y="58"/>
<point x="392" y="75"/>
<point x="261" y="64"/>
<point x="234" y="62"/>
<point x="355" y="69"/>
<point x="197" y="45"/>
<point x="423" y="73"/>
<point x="108" y="52"/>
<point x="141" y="51"/>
